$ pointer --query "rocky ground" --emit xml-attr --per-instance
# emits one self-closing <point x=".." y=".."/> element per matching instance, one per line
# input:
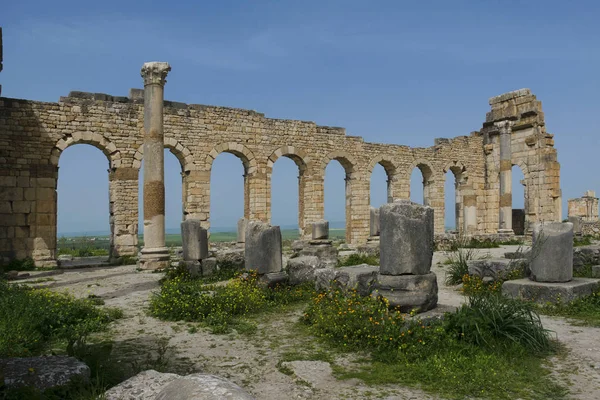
<point x="266" y="362"/>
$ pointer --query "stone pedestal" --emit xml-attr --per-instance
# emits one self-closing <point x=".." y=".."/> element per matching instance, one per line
<point x="406" y="251"/>
<point x="408" y="292"/>
<point x="155" y="254"/>
<point x="551" y="278"/>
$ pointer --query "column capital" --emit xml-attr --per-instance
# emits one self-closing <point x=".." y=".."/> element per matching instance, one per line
<point x="504" y="127"/>
<point x="155" y="73"/>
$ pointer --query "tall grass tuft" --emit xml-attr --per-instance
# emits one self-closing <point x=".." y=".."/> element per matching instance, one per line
<point x="488" y="320"/>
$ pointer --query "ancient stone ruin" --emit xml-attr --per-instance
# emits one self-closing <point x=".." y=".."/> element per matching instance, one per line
<point x="126" y="129"/>
<point x="405" y="279"/>
<point x="551" y="268"/>
<point x="583" y="214"/>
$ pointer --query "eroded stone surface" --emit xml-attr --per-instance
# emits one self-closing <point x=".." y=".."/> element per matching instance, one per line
<point x="406" y="238"/>
<point x="42" y="372"/>
<point x="263" y="248"/>
<point x="553" y="246"/>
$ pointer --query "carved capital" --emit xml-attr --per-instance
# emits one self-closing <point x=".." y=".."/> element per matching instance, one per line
<point x="155" y="73"/>
<point x="504" y="127"/>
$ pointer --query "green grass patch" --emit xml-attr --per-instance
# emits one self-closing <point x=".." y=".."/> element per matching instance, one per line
<point x="457" y="262"/>
<point x="584" y="311"/>
<point x="32" y="319"/>
<point x="357" y="259"/>
<point x="222" y="307"/>
<point x="25" y="264"/>
<point x="492" y="347"/>
<point x="582" y="241"/>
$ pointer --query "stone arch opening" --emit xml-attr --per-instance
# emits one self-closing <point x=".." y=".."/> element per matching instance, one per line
<point x="332" y="192"/>
<point x="420" y="183"/>
<point x="280" y="179"/>
<point x="48" y="208"/>
<point x="79" y="232"/>
<point x="381" y="168"/>
<point x="228" y="197"/>
<point x="455" y="178"/>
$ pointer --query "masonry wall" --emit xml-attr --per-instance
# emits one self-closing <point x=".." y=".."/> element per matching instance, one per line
<point x="533" y="151"/>
<point x="34" y="134"/>
<point x="585" y="207"/>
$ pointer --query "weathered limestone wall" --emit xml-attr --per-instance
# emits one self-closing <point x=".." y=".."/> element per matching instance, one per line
<point x="33" y="135"/>
<point x="532" y="150"/>
<point x="585" y="207"/>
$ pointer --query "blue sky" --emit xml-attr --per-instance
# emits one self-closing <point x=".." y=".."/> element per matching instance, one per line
<point x="390" y="71"/>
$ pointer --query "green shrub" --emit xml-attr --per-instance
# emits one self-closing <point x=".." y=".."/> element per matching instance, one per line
<point x="184" y="298"/>
<point x="492" y="319"/>
<point x="25" y="264"/>
<point x="33" y="318"/>
<point x="585" y="310"/>
<point x="582" y="241"/>
<point x="357" y="259"/>
<point x="458" y="267"/>
<point x="493" y="356"/>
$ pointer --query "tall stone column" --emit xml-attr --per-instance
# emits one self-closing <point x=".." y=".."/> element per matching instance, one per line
<point x="505" y="209"/>
<point x="155" y="254"/>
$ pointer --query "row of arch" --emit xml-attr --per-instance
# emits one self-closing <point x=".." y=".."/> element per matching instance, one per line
<point x="249" y="160"/>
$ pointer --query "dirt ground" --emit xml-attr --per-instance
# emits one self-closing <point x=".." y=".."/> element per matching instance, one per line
<point x="255" y="361"/>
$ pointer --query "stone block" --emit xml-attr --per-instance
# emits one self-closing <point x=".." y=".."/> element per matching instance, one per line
<point x="302" y="269"/>
<point x="209" y="265"/>
<point x="406" y="240"/>
<point x="263" y="250"/>
<point x="43" y="372"/>
<point x="553" y="292"/>
<point x="553" y="248"/>
<point x="325" y="252"/>
<point x="374" y="227"/>
<point x="194" y="239"/>
<point x="241" y="230"/>
<point x="359" y="277"/>
<point x="320" y="230"/>
<point x="493" y="267"/>
<point x="595" y="271"/>
<point x="408" y="292"/>
<point x="576" y="221"/>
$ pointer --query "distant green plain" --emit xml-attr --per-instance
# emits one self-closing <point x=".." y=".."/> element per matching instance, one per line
<point x="174" y="239"/>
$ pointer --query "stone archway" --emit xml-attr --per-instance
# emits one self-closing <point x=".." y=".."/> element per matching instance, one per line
<point x="301" y="159"/>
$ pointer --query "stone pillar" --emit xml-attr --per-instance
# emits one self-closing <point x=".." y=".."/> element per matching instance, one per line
<point x="241" y="230"/>
<point x="505" y="209"/>
<point x="553" y="252"/>
<point x="263" y="251"/>
<point x="374" y="228"/>
<point x="155" y="254"/>
<point x="405" y="278"/>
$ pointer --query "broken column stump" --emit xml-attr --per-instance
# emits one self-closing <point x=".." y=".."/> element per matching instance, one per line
<point x="405" y="278"/>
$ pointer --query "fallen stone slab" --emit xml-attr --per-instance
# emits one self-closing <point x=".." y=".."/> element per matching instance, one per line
<point x="152" y="385"/>
<point x="43" y="372"/>
<point x="302" y="269"/>
<point x="359" y="277"/>
<point x="553" y="292"/>
<point x="493" y="267"/>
